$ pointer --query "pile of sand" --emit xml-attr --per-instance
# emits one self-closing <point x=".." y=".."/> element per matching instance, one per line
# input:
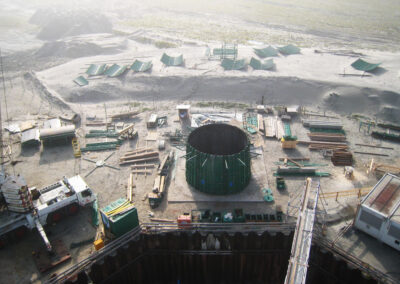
<point x="57" y="24"/>
<point x="74" y="47"/>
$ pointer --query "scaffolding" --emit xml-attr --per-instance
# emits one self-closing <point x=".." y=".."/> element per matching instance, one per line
<point x="227" y="50"/>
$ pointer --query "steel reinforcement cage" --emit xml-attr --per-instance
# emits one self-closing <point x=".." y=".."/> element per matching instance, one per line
<point x="218" y="159"/>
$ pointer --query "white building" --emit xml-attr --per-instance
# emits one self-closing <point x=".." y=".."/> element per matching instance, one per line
<point x="379" y="213"/>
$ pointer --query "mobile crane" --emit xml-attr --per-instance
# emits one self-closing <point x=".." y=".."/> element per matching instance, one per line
<point x="29" y="208"/>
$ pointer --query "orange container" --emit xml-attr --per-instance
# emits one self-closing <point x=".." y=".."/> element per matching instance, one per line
<point x="184" y="221"/>
<point x="98" y="244"/>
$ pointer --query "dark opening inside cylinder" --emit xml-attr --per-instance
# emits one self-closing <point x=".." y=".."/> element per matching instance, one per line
<point x="218" y="159"/>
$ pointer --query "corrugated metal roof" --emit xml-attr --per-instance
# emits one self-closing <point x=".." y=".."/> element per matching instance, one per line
<point x="52" y="123"/>
<point x="30" y="136"/>
<point x="385" y="197"/>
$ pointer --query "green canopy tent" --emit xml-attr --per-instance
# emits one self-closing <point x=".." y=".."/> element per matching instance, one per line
<point x="115" y="70"/>
<point x="96" y="69"/>
<point x="230" y="64"/>
<point x="269" y="51"/>
<point x="362" y="65"/>
<point x="81" y="81"/>
<point x="289" y="49"/>
<point x="261" y="65"/>
<point x="172" y="61"/>
<point x="139" y="66"/>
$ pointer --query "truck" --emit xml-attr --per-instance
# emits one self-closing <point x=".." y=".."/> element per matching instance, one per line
<point x="28" y="208"/>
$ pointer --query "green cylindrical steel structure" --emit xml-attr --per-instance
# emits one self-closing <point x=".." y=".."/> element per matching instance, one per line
<point x="218" y="159"/>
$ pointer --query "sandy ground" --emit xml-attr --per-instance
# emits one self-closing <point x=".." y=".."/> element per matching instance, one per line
<point x="42" y="56"/>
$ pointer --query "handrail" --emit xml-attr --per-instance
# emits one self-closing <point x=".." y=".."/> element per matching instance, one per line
<point x="361" y="265"/>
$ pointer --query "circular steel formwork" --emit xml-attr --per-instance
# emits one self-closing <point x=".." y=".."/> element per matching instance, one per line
<point x="218" y="159"/>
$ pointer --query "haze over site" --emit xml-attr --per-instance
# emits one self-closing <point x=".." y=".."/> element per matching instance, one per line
<point x="56" y="39"/>
<point x="358" y="23"/>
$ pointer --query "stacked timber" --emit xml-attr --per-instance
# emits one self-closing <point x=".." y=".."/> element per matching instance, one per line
<point x="138" y="156"/>
<point x="273" y="127"/>
<point x="322" y="145"/>
<point x="342" y="158"/>
<point x="328" y="137"/>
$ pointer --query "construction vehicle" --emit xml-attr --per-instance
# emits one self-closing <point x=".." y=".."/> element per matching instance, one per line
<point x="29" y="208"/>
<point x="160" y="182"/>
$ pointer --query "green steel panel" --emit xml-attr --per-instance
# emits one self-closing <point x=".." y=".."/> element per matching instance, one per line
<point x="269" y="51"/>
<point x="172" y="61"/>
<point x="140" y="66"/>
<point x="217" y="174"/>
<point x="118" y="142"/>
<point x="261" y="65"/>
<point x="108" y="135"/>
<point x="96" y="69"/>
<point x="362" y="65"/>
<point x="101" y="131"/>
<point x="230" y="64"/>
<point x="288" y="131"/>
<point x="289" y="49"/>
<point x="81" y="81"/>
<point x="115" y="70"/>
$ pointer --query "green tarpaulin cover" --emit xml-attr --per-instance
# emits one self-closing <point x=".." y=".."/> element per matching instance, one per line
<point x="269" y="51"/>
<point x="95" y="69"/>
<point x="81" y="81"/>
<point x="139" y="66"/>
<point x="261" y="65"/>
<point x="362" y="65"/>
<point x="289" y="49"/>
<point x="230" y="64"/>
<point x="172" y="61"/>
<point x="115" y="70"/>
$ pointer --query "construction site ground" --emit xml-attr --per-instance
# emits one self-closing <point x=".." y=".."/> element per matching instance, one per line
<point x="45" y="165"/>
